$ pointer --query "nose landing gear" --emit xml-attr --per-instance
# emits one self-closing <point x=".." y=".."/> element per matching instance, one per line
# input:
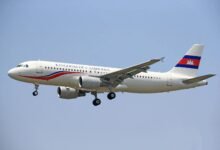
<point x="35" y="93"/>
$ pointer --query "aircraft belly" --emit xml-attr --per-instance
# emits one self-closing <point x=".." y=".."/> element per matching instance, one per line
<point x="145" y="86"/>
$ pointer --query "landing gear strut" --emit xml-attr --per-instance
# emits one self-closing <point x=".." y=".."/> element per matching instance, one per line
<point x="96" y="101"/>
<point x="111" y="95"/>
<point x="35" y="93"/>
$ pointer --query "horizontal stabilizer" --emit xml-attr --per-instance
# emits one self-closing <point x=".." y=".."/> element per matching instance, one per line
<point x="198" y="79"/>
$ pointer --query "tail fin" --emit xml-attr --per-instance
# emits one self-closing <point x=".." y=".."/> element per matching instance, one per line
<point x="189" y="64"/>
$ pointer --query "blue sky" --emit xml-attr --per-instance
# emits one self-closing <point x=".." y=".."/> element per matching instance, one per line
<point x="115" y="33"/>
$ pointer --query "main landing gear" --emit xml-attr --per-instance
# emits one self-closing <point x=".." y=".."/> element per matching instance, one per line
<point x="97" y="101"/>
<point x="35" y="93"/>
<point x="111" y="95"/>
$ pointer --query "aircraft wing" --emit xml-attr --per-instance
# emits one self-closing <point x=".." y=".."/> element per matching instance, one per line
<point x="198" y="79"/>
<point x="115" y="78"/>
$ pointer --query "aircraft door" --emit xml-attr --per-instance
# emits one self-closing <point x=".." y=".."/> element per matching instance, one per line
<point x="39" y="68"/>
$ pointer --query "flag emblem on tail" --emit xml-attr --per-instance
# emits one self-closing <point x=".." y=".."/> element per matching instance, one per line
<point x="189" y="61"/>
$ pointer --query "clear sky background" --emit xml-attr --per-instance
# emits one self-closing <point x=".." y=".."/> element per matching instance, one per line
<point x="116" y="33"/>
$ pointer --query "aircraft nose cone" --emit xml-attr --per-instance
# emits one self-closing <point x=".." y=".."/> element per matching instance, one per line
<point x="11" y="73"/>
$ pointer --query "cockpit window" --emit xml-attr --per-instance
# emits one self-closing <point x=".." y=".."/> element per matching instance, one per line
<point x="23" y="65"/>
<point x="19" y="65"/>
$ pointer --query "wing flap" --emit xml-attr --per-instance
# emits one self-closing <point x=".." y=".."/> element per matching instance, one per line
<point x="115" y="78"/>
<point x="198" y="79"/>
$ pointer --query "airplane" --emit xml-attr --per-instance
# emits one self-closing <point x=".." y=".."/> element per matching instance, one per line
<point x="76" y="80"/>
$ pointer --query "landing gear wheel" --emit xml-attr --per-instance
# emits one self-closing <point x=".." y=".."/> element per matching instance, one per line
<point x="35" y="93"/>
<point x="111" y="95"/>
<point x="96" y="102"/>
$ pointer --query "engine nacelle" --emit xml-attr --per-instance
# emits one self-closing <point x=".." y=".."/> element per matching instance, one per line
<point x="88" y="82"/>
<point x="75" y="82"/>
<point x="69" y="93"/>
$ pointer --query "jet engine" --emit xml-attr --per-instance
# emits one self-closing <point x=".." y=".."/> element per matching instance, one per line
<point x="88" y="82"/>
<point x="69" y="93"/>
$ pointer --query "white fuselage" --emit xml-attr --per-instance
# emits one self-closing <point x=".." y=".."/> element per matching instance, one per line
<point x="63" y="74"/>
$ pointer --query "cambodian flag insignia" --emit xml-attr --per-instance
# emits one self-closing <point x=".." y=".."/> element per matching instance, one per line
<point x="189" y="62"/>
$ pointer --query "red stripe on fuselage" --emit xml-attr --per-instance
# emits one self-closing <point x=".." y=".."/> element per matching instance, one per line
<point x="50" y="77"/>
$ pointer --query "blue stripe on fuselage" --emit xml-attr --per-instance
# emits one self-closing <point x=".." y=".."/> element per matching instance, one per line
<point x="53" y="73"/>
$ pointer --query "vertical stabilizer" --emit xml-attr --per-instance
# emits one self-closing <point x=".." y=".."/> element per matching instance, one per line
<point x="189" y="64"/>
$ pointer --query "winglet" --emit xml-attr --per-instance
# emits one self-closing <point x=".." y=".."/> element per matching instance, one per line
<point x="198" y="79"/>
<point x="162" y="59"/>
